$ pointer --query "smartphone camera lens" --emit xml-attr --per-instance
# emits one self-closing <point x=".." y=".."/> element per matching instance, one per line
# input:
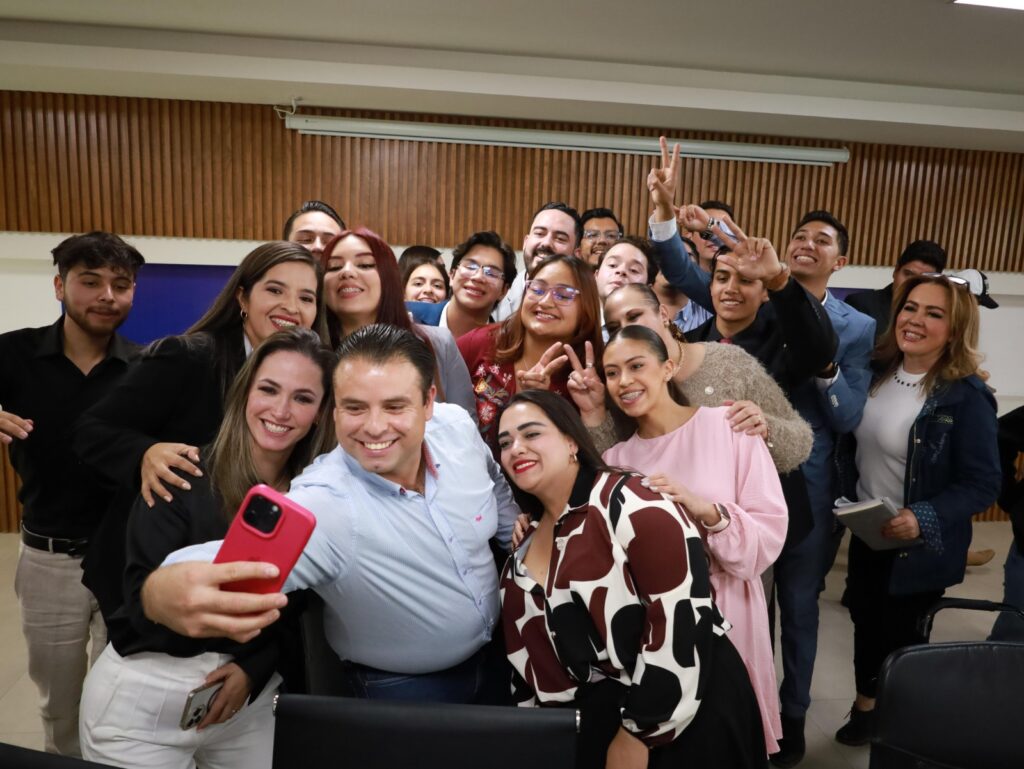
<point x="262" y="514"/>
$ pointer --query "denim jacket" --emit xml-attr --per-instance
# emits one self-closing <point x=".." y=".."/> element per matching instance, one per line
<point x="952" y="473"/>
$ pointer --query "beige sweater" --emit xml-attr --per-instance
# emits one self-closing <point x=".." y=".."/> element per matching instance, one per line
<point x="729" y="373"/>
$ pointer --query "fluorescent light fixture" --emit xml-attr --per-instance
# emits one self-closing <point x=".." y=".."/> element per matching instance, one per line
<point x="1013" y="5"/>
<point x="450" y="133"/>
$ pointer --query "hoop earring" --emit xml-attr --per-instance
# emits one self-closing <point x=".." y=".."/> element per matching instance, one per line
<point x="572" y="458"/>
<point x="244" y="315"/>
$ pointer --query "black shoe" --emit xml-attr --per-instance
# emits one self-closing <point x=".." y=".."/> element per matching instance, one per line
<point x="858" y="730"/>
<point x="792" y="745"/>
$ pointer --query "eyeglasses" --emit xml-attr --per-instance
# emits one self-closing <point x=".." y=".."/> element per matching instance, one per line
<point x="560" y="294"/>
<point x="469" y="268"/>
<point x="612" y="235"/>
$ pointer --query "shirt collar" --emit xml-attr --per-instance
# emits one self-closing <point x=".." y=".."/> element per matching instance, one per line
<point x="52" y="343"/>
<point x="383" y="483"/>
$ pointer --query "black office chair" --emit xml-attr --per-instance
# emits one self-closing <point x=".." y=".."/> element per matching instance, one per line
<point x="347" y="733"/>
<point x="324" y="672"/>
<point x="951" y="705"/>
<point x="13" y="757"/>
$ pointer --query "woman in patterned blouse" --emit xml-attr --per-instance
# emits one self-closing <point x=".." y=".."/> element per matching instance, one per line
<point x="607" y="606"/>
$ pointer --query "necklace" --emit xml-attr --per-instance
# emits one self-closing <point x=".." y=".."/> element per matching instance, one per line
<point x="682" y="355"/>
<point x="904" y="382"/>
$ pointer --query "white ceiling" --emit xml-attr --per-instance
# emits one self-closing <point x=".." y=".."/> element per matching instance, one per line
<point x="903" y="71"/>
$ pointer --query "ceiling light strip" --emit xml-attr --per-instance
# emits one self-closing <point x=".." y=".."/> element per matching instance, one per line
<point x="560" y="140"/>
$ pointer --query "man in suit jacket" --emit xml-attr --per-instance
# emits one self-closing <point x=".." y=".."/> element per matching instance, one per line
<point x="919" y="257"/>
<point x="832" y="403"/>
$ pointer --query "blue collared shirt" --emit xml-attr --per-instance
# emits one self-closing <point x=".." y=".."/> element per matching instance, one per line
<point x="691" y="316"/>
<point x="408" y="579"/>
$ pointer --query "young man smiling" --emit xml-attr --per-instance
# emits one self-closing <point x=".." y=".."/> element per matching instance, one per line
<point x="49" y="376"/>
<point x="483" y="268"/>
<point x="555" y="229"/>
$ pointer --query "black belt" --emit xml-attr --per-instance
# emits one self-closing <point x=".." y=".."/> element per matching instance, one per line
<point x="73" y="547"/>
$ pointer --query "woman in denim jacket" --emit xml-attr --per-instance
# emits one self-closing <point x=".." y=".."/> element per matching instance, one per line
<point x="927" y="440"/>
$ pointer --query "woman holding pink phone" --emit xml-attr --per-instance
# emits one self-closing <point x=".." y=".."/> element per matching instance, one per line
<point x="133" y="711"/>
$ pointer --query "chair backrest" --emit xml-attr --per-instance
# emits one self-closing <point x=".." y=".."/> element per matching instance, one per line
<point x="343" y="733"/>
<point x="951" y="705"/>
<point x="324" y="672"/>
<point x="13" y="757"/>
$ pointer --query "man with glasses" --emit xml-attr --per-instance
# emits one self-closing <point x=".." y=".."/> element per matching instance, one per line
<point x="556" y="229"/>
<point x="483" y="267"/>
<point x="601" y="230"/>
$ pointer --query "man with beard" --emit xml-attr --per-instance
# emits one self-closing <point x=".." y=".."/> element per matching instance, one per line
<point x="49" y="376"/>
<point x="555" y="229"/>
<point x="601" y="230"/>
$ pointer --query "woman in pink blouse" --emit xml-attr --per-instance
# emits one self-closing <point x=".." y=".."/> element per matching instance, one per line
<point x="725" y="480"/>
<point x="607" y="606"/>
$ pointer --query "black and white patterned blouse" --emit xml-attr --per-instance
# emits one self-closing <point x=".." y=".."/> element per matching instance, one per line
<point x="628" y="598"/>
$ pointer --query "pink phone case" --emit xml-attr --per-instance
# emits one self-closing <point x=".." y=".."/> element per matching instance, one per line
<point x="281" y="547"/>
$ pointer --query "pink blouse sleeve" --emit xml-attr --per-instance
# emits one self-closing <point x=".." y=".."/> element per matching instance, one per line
<point x="759" y="517"/>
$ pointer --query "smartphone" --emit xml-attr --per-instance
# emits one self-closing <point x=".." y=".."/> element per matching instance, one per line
<point x="268" y="527"/>
<point x="197" y="705"/>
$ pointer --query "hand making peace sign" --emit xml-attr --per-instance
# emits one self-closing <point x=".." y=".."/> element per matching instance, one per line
<point x="539" y="377"/>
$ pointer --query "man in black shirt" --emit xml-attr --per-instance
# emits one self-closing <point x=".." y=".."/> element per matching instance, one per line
<point x="49" y="376"/>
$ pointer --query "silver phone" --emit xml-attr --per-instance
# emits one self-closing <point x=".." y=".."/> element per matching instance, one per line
<point x="197" y="705"/>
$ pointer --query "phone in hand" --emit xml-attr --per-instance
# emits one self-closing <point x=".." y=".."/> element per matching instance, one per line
<point x="197" y="704"/>
<point x="270" y="528"/>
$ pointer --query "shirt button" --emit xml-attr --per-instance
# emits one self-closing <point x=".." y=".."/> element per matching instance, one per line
<point x="709" y="390"/>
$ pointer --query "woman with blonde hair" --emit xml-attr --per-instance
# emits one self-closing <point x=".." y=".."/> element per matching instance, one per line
<point x="277" y="419"/>
<point x="927" y="441"/>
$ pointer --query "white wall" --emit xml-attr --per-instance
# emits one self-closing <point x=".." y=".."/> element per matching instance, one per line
<point x="26" y="294"/>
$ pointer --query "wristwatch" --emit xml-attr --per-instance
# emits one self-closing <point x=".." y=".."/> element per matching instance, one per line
<point x="725" y="518"/>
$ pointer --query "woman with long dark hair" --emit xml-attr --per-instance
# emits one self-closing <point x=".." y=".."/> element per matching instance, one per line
<point x="172" y="400"/>
<point x="362" y="285"/>
<point x="724" y="479"/>
<point x="607" y="606"/>
<point x="277" y="419"/>
<point x="927" y="441"/>
<point x="560" y="307"/>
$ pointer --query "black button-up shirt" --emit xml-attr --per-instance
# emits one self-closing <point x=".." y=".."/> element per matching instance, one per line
<point x="60" y="495"/>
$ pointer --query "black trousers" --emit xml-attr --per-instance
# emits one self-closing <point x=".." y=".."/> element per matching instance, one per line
<point x="726" y="732"/>
<point x="882" y="623"/>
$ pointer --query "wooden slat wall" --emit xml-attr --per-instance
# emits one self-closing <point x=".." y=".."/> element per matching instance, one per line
<point x="72" y="163"/>
<point x="10" y="508"/>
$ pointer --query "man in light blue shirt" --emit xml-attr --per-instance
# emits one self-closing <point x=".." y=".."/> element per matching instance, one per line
<point x="406" y="507"/>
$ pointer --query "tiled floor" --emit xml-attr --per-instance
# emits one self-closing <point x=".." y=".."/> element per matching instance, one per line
<point x="832" y="691"/>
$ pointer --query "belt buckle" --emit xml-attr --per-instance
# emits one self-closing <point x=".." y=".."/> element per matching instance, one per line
<point x="76" y="549"/>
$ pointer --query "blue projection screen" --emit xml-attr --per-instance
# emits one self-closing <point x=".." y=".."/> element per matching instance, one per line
<point x="171" y="297"/>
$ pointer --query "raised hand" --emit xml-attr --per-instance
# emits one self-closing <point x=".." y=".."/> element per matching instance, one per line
<point x="753" y="258"/>
<point x="585" y="386"/>
<point x="662" y="182"/>
<point x="692" y="218"/>
<point x="186" y="597"/>
<point x="539" y="377"/>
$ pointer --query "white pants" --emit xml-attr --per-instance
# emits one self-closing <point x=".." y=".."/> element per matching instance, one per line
<point x="59" y="618"/>
<point x="131" y="711"/>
